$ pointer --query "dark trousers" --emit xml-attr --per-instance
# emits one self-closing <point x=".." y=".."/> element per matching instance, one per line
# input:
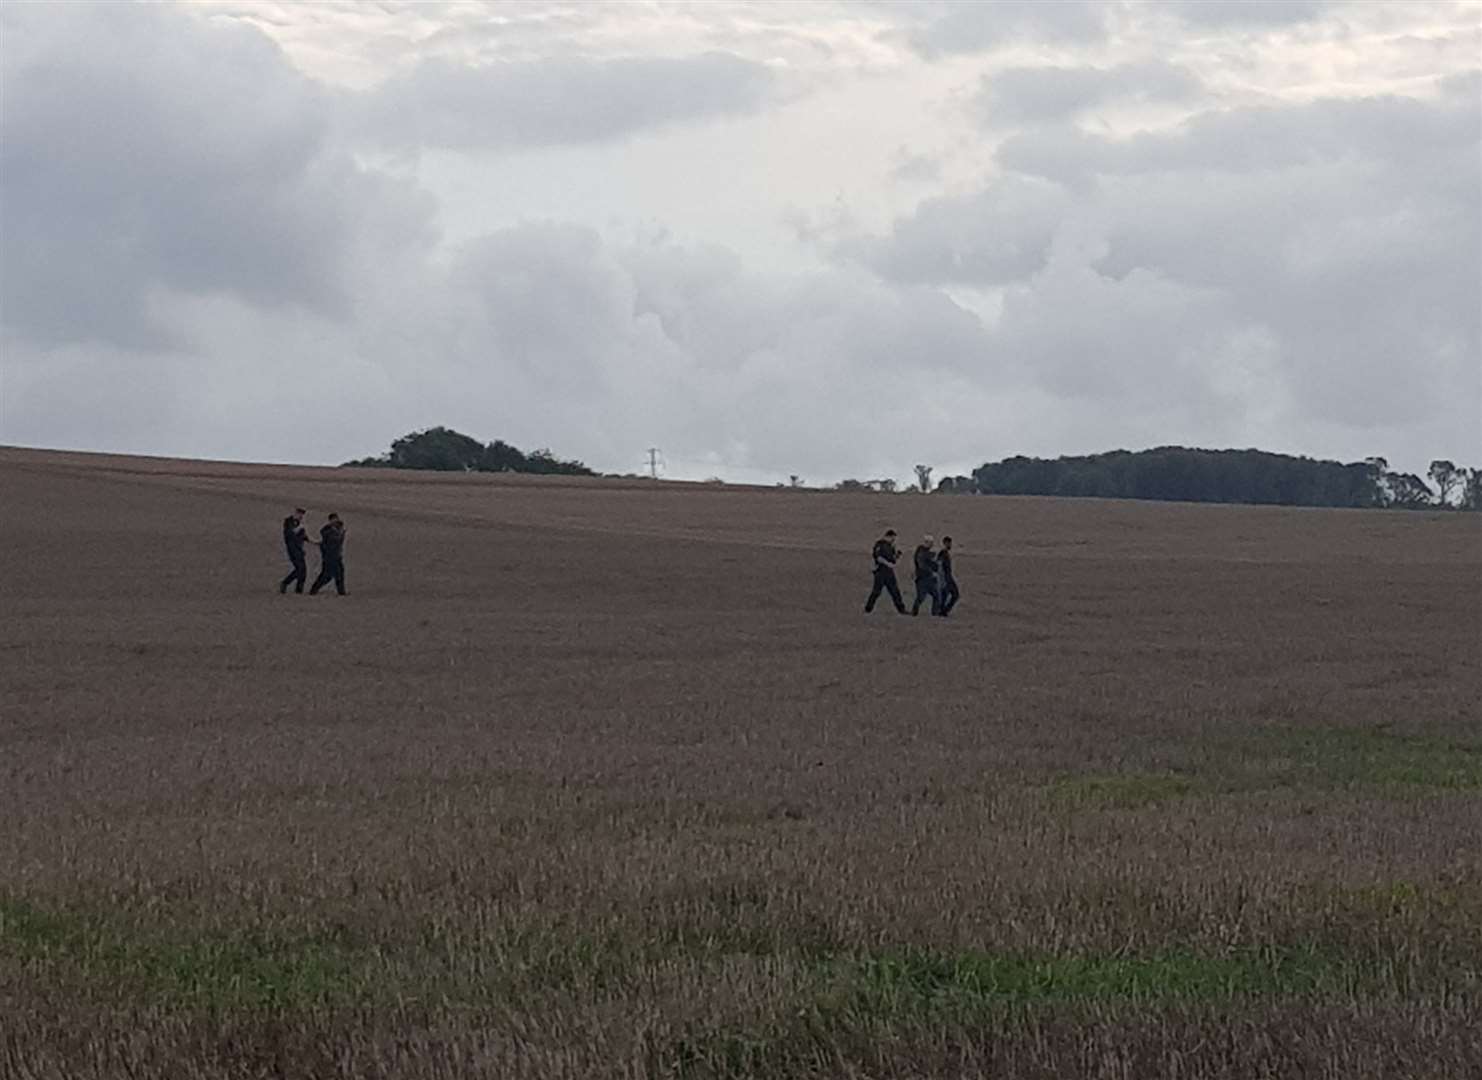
<point x="950" y="595"/>
<point x="297" y="576"/>
<point x="330" y="570"/>
<point x="927" y="587"/>
<point x="885" y="582"/>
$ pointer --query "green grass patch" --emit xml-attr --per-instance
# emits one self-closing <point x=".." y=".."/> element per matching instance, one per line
<point x="1366" y="757"/>
<point x="1121" y="791"/>
<point x="242" y="969"/>
<point x="873" y="1000"/>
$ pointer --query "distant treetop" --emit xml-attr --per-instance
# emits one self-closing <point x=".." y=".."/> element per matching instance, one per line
<point x="1183" y="474"/>
<point x="445" y="450"/>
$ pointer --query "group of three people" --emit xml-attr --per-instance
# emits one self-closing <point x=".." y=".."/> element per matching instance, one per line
<point x="331" y="544"/>
<point x="934" y="578"/>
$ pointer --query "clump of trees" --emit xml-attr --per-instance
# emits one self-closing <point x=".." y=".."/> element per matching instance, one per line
<point x="1183" y="474"/>
<point x="887" y="486"/>
<point x="445" y="450"/>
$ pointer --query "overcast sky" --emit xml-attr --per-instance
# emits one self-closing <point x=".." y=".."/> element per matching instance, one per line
<point x="815" y="238"/>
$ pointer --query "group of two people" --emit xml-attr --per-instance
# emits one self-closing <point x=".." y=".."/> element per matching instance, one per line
<point x="934" y="578"/>
<point x="331" y="545"/>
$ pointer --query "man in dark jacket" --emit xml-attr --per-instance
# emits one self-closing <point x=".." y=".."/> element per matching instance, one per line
<point x="293" y="540"/>
<point x="926" y="576"/>
<point x="884" y="557"/>
<point x="950" y="592"/>
<point x="331" y="556"/>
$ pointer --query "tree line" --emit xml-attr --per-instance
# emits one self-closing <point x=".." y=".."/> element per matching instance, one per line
<point x="1171" y="473"/>
<point x="444" y="450"/>
<point x="1183" y="474"/>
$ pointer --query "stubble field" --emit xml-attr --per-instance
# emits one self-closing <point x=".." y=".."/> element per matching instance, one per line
<point x="607" y="779"/>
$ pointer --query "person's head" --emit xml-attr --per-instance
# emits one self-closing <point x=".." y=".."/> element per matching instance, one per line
<point x="298" y="513"/>
<point x="890" y="535"/>
<point x="928" y="540"/>
<point x="946" y="543"/>
<point x="335" y="518"/>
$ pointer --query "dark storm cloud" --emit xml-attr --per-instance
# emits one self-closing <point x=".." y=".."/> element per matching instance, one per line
<point x="143" y="151"/>
<point x="559" y="100"/>
<point x="1038" y="95"/>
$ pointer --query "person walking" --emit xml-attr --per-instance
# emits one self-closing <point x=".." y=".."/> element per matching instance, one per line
<point x="926" y="576"/>
<point x="950" y="592"/>
<point x="331" y="556"/>
<point x="294" y="538"/>
<point x="884" y="556"/>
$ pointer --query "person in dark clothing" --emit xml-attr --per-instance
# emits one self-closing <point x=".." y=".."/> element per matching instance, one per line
<point x="950" y="592"/>
<point x="884" y="557"/>
<point x="331" y="556"/>
<point x="294" y="538"/>
<point x="926" y="576"/>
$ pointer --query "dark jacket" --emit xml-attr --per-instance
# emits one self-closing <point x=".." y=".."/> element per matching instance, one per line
<point x="884" y="556"/>
<point x="944" y="560"/>
<point x="293" y="538"/>
<point x="332" y="541"/>
<point x="926" y="563"/>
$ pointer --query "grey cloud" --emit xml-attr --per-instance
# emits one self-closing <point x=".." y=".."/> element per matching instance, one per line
<point x="1254" y="139"/>
<point x="1341" y="237"/>
<point x="547" y="297"/>
<point x="1464" y="86"/>
<point x="555" y="101"/>
<point x="1038" y="95"/>
<point x="702" y="356"/>
<point x="914" y="168"/>
<point x="1084" y="335"/>
<point x="977" y="27"/>
<point x="688" y="347"/>
<point x="1303" y="278"/>
<point x="998" y="235"/>
<point x="144" y="151"/>
<point x="1247" y="13"/>
<point x="543" y="333"/>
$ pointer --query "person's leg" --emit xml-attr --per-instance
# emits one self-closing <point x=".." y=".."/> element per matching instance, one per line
<point x="920" y="596"/>
<point x="326" y="575"/>
<point x="339" y="577"/>
<point x="292" y="575"/>
<point x="895" y="594"/>
<point x="874" y="594"/>
<point x="949" y="601"/>
<point x="299" y="576"/>
<point x="936" y="598"/>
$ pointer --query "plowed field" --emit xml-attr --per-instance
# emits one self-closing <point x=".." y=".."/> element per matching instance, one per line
<point x="614" y="779"/>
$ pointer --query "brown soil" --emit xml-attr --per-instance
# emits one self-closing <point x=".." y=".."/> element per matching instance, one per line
<point x="607" y="778"/>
